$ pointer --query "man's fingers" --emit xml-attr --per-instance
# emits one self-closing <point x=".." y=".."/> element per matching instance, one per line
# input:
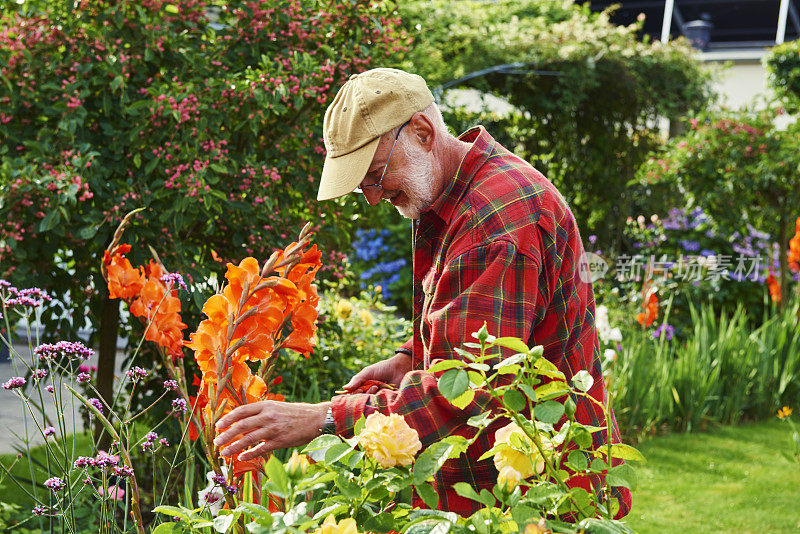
<point x="238" y="413"/>
<point x="240" y="427"/>
<point x="361" y="376"/>
<point x="259" y="450"/>
<point x="248" y="440"/>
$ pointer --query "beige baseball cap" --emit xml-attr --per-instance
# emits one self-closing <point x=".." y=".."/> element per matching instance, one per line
<point x="367" y="106"/>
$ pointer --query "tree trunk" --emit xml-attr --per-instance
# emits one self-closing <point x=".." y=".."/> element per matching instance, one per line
<point x="107" y="359"/>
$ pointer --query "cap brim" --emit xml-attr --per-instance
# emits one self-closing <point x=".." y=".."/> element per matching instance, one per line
<point x="342" y="174"/>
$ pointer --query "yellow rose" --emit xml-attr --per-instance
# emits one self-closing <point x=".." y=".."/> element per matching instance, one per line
<point x="330" y="526"/>
<point x="537" y="528"/>
<point x="508" y="478"/>
<point x="344" y="308"/>
<point x="389" y="440"/>
<point x="366" y="317"/>
<point x="297" y="464"/>
<point x="522" y="462"/>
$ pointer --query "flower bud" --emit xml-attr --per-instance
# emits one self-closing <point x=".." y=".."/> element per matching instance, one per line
<point x="297" y="465"/>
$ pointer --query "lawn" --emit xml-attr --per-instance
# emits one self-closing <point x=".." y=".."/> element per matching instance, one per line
<point x="732" y="479"/>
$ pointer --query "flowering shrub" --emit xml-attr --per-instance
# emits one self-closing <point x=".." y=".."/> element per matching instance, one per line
<point x="740" y="168"/>
<point x="208" y="115"/>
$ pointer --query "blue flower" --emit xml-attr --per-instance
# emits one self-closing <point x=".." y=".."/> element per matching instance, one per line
<point x="690" y="245"/>
<point x="706" y="253"/>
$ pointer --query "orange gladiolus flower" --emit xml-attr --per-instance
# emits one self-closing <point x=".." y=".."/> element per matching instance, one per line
<point x="650" y="313"/>
<point x="124" y="281"/>
<point x="774" y="288"/>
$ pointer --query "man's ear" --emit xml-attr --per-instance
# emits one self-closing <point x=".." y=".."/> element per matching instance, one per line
<point x="423" y="130"/>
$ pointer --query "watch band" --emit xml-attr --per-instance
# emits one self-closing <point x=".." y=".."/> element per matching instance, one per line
<point x="329" y="427"/>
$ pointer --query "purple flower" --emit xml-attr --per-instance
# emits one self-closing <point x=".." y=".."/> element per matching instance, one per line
<point x="706" y="253"/>
<point x="219" y="480"/>
<point x="55" y="484"/>
<point x="49" y="388"/>
<point x="32" y="297"/>
<point x="103" y="459"/>
<point x="4" y="284"/>
<point x="97" y="403"/>
<point x="179" y="406"/>
<point x="151" y="436"/>
<point x="14" y="383"/>
<point x="39" y="374"/>
<point x="123" y="471"/>
<point x="38" y="509"/>
<point x="136" y="373"/>
<point x="619" y="346"/>
<point x="175" y="279"/>
<point x="83" y="377"/>
<point x="49" y="431"/>
<point x="592" y="239"/>
<point x="84" y="461"/>
<point x="49" y="351"/>
<point x="690" y="245"/>
<point x="666" y="329"/>
<point x="164" y="442"/>
<point x="170" y="385"/>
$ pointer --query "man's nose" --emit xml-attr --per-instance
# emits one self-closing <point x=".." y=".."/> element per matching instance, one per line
<point x="373" y="195"/>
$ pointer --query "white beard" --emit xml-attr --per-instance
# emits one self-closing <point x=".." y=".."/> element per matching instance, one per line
<point x="418" y="184"/>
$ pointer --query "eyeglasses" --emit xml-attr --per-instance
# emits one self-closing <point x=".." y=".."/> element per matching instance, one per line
<point x="379" y="186"/>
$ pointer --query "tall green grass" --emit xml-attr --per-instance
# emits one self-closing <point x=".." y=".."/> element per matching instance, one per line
<point x="724" y="372"/>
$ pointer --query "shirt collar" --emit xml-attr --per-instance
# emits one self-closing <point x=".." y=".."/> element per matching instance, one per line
<point x="482" y="147"/>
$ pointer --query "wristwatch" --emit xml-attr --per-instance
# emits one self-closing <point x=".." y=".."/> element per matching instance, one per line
<point x="329" y="427"/>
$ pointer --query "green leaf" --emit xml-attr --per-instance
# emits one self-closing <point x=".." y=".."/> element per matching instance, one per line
<point x="512" y="343"/>
<point x="583" y="380"/>
<point x="453" y="383"/>
<point x="50" y="221"/>
<point x="348" y="488"/>
<point x="549" y="412"/>
<point x="173" y="511"/>
<point x="622" y="475"/>
<point x="466" y="491"/>
<point x="626" y="452"/>
<point x="337" y="452"/>
<point x="322" y="442"/>
<point x="168" y="528"/>
<point x="514" y="400"/>
<point x="171" y="9"/>
<point x="428" y="494"/>
<point x="430" y="461"/>
<point x="529" y="392"/>
<point x="115" y="84"/>
<point x="577" y="461"/>
<point x="444" y="365"/>
<point x="551" y="390"/>
<point x="463" y="400"/>
<point x="277" y="474"/>
<point x="222" y="523"/>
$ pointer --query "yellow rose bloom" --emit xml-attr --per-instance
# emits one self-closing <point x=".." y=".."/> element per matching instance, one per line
<point x="389" y="440"/>
<point x="366" y="317"/>
<point x="330" y="526"/>
<point x="507" y="456"/>
<point x="343" y="308"/>
<point x="508" y="478"/>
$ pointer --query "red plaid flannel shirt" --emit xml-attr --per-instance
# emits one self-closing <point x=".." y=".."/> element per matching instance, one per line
<point x="500" y="245"/>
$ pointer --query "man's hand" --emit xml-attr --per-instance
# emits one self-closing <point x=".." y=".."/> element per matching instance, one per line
<point x="270" y="424"/>
<point x="391" y="371"/>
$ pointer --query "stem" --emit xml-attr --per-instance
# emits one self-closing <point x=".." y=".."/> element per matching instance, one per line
<point x="125" y="458"/>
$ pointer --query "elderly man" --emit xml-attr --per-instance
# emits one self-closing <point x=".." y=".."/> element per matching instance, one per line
<point x="494" y="242"/>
